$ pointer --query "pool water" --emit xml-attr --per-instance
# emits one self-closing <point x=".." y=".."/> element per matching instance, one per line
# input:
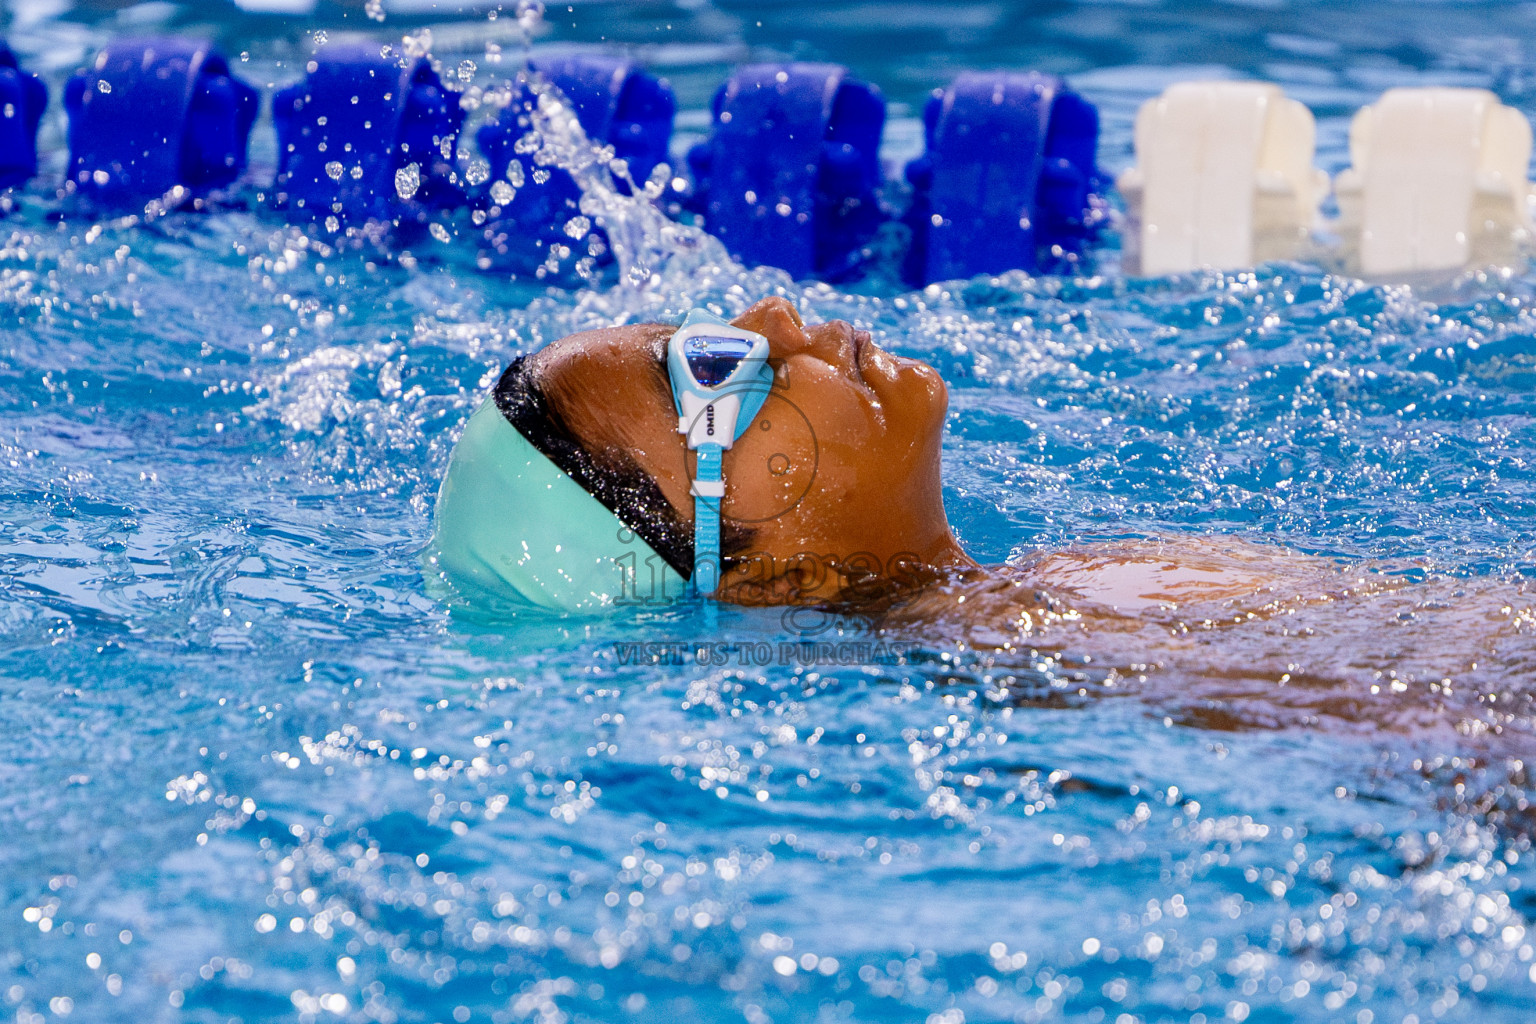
<point x="254" y="768"/>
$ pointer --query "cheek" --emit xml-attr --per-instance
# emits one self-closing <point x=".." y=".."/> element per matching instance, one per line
<point x="826" y="445"/>
<point x="774" y="465"/>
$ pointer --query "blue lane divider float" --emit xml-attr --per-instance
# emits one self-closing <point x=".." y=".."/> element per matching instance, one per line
<point x="367" y="136"/>
<point x="790" y="172"/>
<point x="153" y="114"/>
<point x="789" y="176"/>
<point x="529" y="207"/>
<point x="23" y="98"/>
<point x="1008" y="173"/>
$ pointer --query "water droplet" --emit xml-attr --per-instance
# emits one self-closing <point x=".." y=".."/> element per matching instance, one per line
<point x="577" y="227"/>
<point x="478" y="172"/>
<point x="529" y="14"/>
<point x="418" y="44"/>
<point x="502" y="193"/>
<point x="439" y="232"/>
<point x="103" y="86"/>
<point x="334" y="170"/>
<point x="374" y="9"/>
<point x="407" y="181"/>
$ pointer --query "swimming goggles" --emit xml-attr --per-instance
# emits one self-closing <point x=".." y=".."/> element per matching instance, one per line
<point x="720" y="378"/>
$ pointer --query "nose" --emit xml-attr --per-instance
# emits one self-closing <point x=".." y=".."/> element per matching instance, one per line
<point x="835" y="342"/>
<point x="777" y="320"/>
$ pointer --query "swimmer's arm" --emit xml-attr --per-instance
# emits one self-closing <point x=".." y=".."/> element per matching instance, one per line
<point x="1158" y="588"/>
<point x="1168" y="574"/>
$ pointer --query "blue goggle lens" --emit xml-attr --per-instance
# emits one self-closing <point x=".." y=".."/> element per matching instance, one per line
<point x="712" y="360"/>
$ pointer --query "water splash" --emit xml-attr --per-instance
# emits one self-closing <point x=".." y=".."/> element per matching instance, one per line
<point x="661" y="267"/>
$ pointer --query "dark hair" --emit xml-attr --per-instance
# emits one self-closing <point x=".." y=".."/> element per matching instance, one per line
<point x="612" y="476"/>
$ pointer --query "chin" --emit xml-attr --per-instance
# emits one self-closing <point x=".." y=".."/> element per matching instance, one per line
<point x="924" y="389"/>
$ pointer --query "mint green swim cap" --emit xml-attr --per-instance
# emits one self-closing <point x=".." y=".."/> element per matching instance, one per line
<point x="509" y="519"/>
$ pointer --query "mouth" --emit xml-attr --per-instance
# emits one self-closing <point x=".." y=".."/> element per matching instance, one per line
<point x="862" y="343"/>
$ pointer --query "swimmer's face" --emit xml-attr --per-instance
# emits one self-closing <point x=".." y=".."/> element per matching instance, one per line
<point x="841" y="464"/>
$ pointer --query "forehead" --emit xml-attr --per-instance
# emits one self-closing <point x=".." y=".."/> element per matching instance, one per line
<point x="607" y="382"/>
<point x="605" y="351"/>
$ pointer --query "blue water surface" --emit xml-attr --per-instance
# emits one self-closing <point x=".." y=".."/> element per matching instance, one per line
<point x="254" y="769"/>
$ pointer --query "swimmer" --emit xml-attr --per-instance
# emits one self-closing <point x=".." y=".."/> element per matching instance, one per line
<point x="832" y="481"/>
<point x="831" y="496"/>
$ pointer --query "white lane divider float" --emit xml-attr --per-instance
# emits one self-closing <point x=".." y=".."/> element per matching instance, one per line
<point x="1438" y="182"/>
<point x="1224" y="178"/>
